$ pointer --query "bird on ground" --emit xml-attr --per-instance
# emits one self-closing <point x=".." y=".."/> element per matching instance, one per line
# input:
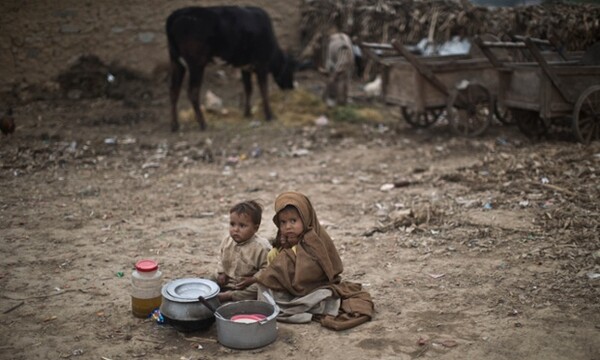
<point x="7" y="122"/>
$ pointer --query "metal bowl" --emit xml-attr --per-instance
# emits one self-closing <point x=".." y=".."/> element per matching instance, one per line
<point x="242" y="335"/>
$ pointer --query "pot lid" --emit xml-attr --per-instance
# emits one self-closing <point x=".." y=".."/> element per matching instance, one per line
<point x="189" y="289"/>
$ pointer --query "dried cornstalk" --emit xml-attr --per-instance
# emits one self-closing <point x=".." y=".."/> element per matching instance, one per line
<point x="577" y="26"/>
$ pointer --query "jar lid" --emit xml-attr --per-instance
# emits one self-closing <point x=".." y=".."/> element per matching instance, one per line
<point x="146" y="265"/>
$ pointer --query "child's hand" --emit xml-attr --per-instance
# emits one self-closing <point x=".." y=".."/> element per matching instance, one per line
<point x="222" y="279"/>
<point x="246" y="281"/>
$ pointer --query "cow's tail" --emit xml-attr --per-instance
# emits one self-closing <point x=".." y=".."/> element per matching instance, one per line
<point x="172" y="44"/>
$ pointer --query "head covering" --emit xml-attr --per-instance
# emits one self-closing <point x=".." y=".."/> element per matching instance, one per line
<point x="315" y="263"/>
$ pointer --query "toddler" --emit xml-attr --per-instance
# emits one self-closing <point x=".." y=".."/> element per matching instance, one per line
<point x="242" y="255"/>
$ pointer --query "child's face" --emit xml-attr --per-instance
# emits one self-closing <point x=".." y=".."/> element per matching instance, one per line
<point x="241" y="227"/>
<point x="290" y="227"/>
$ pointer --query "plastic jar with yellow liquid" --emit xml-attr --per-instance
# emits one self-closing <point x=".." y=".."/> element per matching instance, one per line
<point x="146" y="285"/>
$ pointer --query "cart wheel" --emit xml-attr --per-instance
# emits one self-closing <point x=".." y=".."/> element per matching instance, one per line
<point x="529" y="123"/>
<point x="470" y="114"/>
<point x="586" y="115"/>
<point x="420" y="119"/>
<point x="503" y="114"/>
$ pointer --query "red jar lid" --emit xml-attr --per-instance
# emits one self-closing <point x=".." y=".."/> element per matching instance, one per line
<point x="146" y="265"/>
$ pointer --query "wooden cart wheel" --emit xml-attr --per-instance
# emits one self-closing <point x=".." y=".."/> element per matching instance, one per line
<point x="586" y="115"/>
<point x="470" y="110"/>
<point x="529" y="123"/>
<point x="421" y="119"/>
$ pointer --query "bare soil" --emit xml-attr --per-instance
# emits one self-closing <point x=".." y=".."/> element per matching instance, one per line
<point x="481" y="248"/>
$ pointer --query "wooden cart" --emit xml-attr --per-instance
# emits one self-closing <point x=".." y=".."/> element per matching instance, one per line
<point x="426" y="88"/>
<point x="542" y="92"/>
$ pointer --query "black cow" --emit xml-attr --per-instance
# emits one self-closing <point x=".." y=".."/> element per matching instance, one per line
<point x="241" y="36"/>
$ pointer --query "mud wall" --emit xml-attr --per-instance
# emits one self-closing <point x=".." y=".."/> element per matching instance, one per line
<point x="41" y="38"/>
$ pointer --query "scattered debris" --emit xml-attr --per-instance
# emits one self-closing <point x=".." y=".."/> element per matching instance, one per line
<point x="387" y="187"/>
<point x="300" y="152"/>
<point x="212" y="102"/>
<point x="322" y="121"/>
<point x="447" y="343"/>
<point x="436" y="276"/>
<point x="593" y="275"/>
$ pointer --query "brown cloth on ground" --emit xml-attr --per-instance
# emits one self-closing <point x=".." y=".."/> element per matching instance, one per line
<point x="356" y="308"/>
<point x="316" y="264"/>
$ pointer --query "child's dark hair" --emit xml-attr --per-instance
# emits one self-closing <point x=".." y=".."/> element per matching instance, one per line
<point x="250" y="208"/>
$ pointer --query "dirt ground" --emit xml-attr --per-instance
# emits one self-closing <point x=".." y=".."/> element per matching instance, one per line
<point x="485" y="248"/>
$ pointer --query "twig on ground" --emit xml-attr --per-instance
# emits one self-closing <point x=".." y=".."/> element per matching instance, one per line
<point x="554" y="187"/>
<point x="13" y="308"/>
<point x="149" y="340"/>
<point x="197" y="339"/>
<point x="57" y="293"/>
<point x="421" y="352"/>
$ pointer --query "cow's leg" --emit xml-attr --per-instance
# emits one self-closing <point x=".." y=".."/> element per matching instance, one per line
<point x="261" y="76"/>
<point x="177" y="74"/>
<point x="247" y="81"/>
<point x="196" y="74"/>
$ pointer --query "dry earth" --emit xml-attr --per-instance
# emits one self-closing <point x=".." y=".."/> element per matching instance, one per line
<point x="480" y="248"/>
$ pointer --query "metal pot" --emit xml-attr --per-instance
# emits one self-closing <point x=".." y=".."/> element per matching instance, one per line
<point x="182" y="308"/>
<point x="238" y="335"/>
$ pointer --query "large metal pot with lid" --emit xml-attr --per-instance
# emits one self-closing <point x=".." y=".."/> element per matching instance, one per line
<point x="182" y="308"/>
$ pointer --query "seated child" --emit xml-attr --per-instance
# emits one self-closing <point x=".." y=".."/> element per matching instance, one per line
<point x="243" y="254"/>
<point x="304" y="272"/>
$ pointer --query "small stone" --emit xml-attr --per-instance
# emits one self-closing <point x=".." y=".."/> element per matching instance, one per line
<point x="69" y="29"/>
<point x="146" y="37"/>
<point x="596" y="256"/>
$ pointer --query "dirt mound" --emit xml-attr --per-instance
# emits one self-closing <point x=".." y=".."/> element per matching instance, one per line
<point x="90" y="78"/>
